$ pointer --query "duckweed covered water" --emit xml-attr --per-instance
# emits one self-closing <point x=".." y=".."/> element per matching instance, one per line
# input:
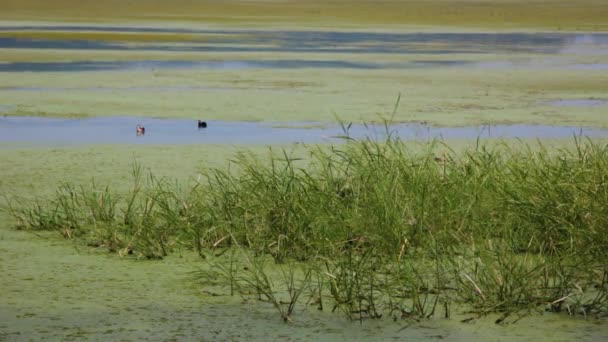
<point x="53" y="290"/>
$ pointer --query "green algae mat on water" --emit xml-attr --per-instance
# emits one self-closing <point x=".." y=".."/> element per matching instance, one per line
<point x="56" y="290"/>
<point x="440" y="96"/>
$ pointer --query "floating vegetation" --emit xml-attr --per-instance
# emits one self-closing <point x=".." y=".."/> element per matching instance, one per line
<point x="370" y="229"/>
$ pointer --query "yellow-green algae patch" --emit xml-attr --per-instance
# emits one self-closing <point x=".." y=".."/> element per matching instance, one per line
<point x="504" y="14"/>
<point x="106" y="36"/>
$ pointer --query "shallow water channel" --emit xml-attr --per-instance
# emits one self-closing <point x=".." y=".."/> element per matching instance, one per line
<point x="121" y="130"/>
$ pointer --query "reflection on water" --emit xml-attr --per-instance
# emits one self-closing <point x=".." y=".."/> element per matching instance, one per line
<point x="120" y="130"/>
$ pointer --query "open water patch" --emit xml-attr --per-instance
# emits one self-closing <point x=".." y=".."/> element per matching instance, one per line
<point x="579" y="103"/>
<point x="121" y="130"/>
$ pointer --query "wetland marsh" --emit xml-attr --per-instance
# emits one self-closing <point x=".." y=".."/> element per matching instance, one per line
<point x="467" y="203"/>
<point x="455" y="78"/>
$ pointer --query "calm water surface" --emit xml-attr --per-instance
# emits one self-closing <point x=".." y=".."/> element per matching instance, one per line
<point x="579" y="103"/>
<point x="121" y="130"/>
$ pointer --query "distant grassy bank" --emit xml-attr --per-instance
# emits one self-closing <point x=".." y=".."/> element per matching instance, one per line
<point x="587" y="15"/>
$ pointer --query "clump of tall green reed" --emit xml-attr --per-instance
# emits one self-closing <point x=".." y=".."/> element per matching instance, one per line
<point x="390" y="229"/>
<point x="151" y="223"/>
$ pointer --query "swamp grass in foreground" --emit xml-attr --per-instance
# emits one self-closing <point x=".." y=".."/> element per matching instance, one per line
<point x="370" y="229"/>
